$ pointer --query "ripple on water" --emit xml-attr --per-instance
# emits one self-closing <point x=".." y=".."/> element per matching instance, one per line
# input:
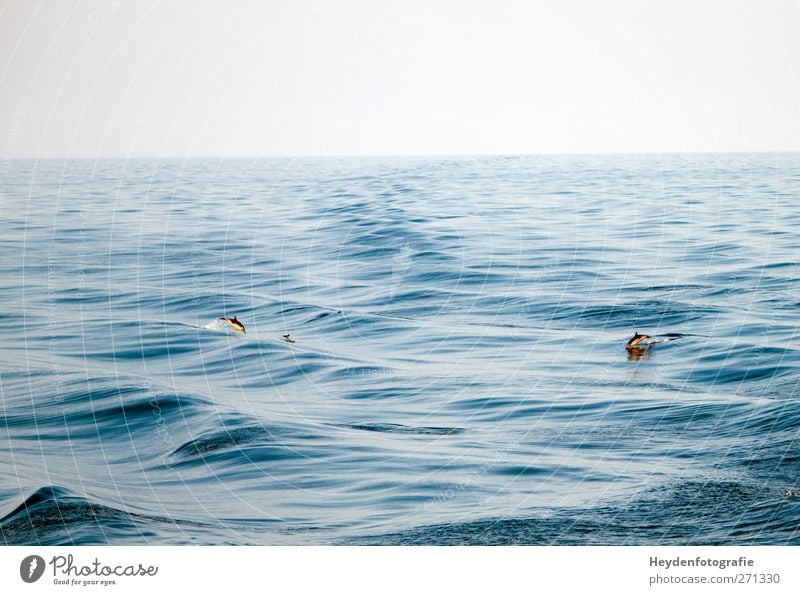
<point x="459" y="372"/>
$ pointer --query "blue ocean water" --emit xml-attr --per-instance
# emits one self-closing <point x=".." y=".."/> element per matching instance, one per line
<point x="458" y="372"/>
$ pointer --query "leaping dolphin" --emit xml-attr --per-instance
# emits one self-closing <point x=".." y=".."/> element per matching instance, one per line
<point x="234" y="322"/>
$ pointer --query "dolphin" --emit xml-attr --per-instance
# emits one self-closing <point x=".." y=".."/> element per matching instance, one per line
<point x="635" y="341"/>
<point x="234" y="322"/>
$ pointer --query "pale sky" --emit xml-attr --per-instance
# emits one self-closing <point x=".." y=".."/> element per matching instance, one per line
<point x="240" y="78"/>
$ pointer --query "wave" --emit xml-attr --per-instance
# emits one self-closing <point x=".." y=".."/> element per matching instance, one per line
<point x="684" y="514"/>
<point x="55" y="516"/>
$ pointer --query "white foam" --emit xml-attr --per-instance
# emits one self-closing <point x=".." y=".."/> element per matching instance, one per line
<point x="220" y="326"/>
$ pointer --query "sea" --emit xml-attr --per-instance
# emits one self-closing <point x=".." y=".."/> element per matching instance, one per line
<point x="455" y="371"/>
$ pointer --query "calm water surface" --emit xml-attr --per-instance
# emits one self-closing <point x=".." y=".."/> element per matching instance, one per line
<point x="458" y="373"/>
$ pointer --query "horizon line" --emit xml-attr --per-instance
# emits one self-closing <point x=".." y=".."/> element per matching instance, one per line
<point x="385" y="155"/>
